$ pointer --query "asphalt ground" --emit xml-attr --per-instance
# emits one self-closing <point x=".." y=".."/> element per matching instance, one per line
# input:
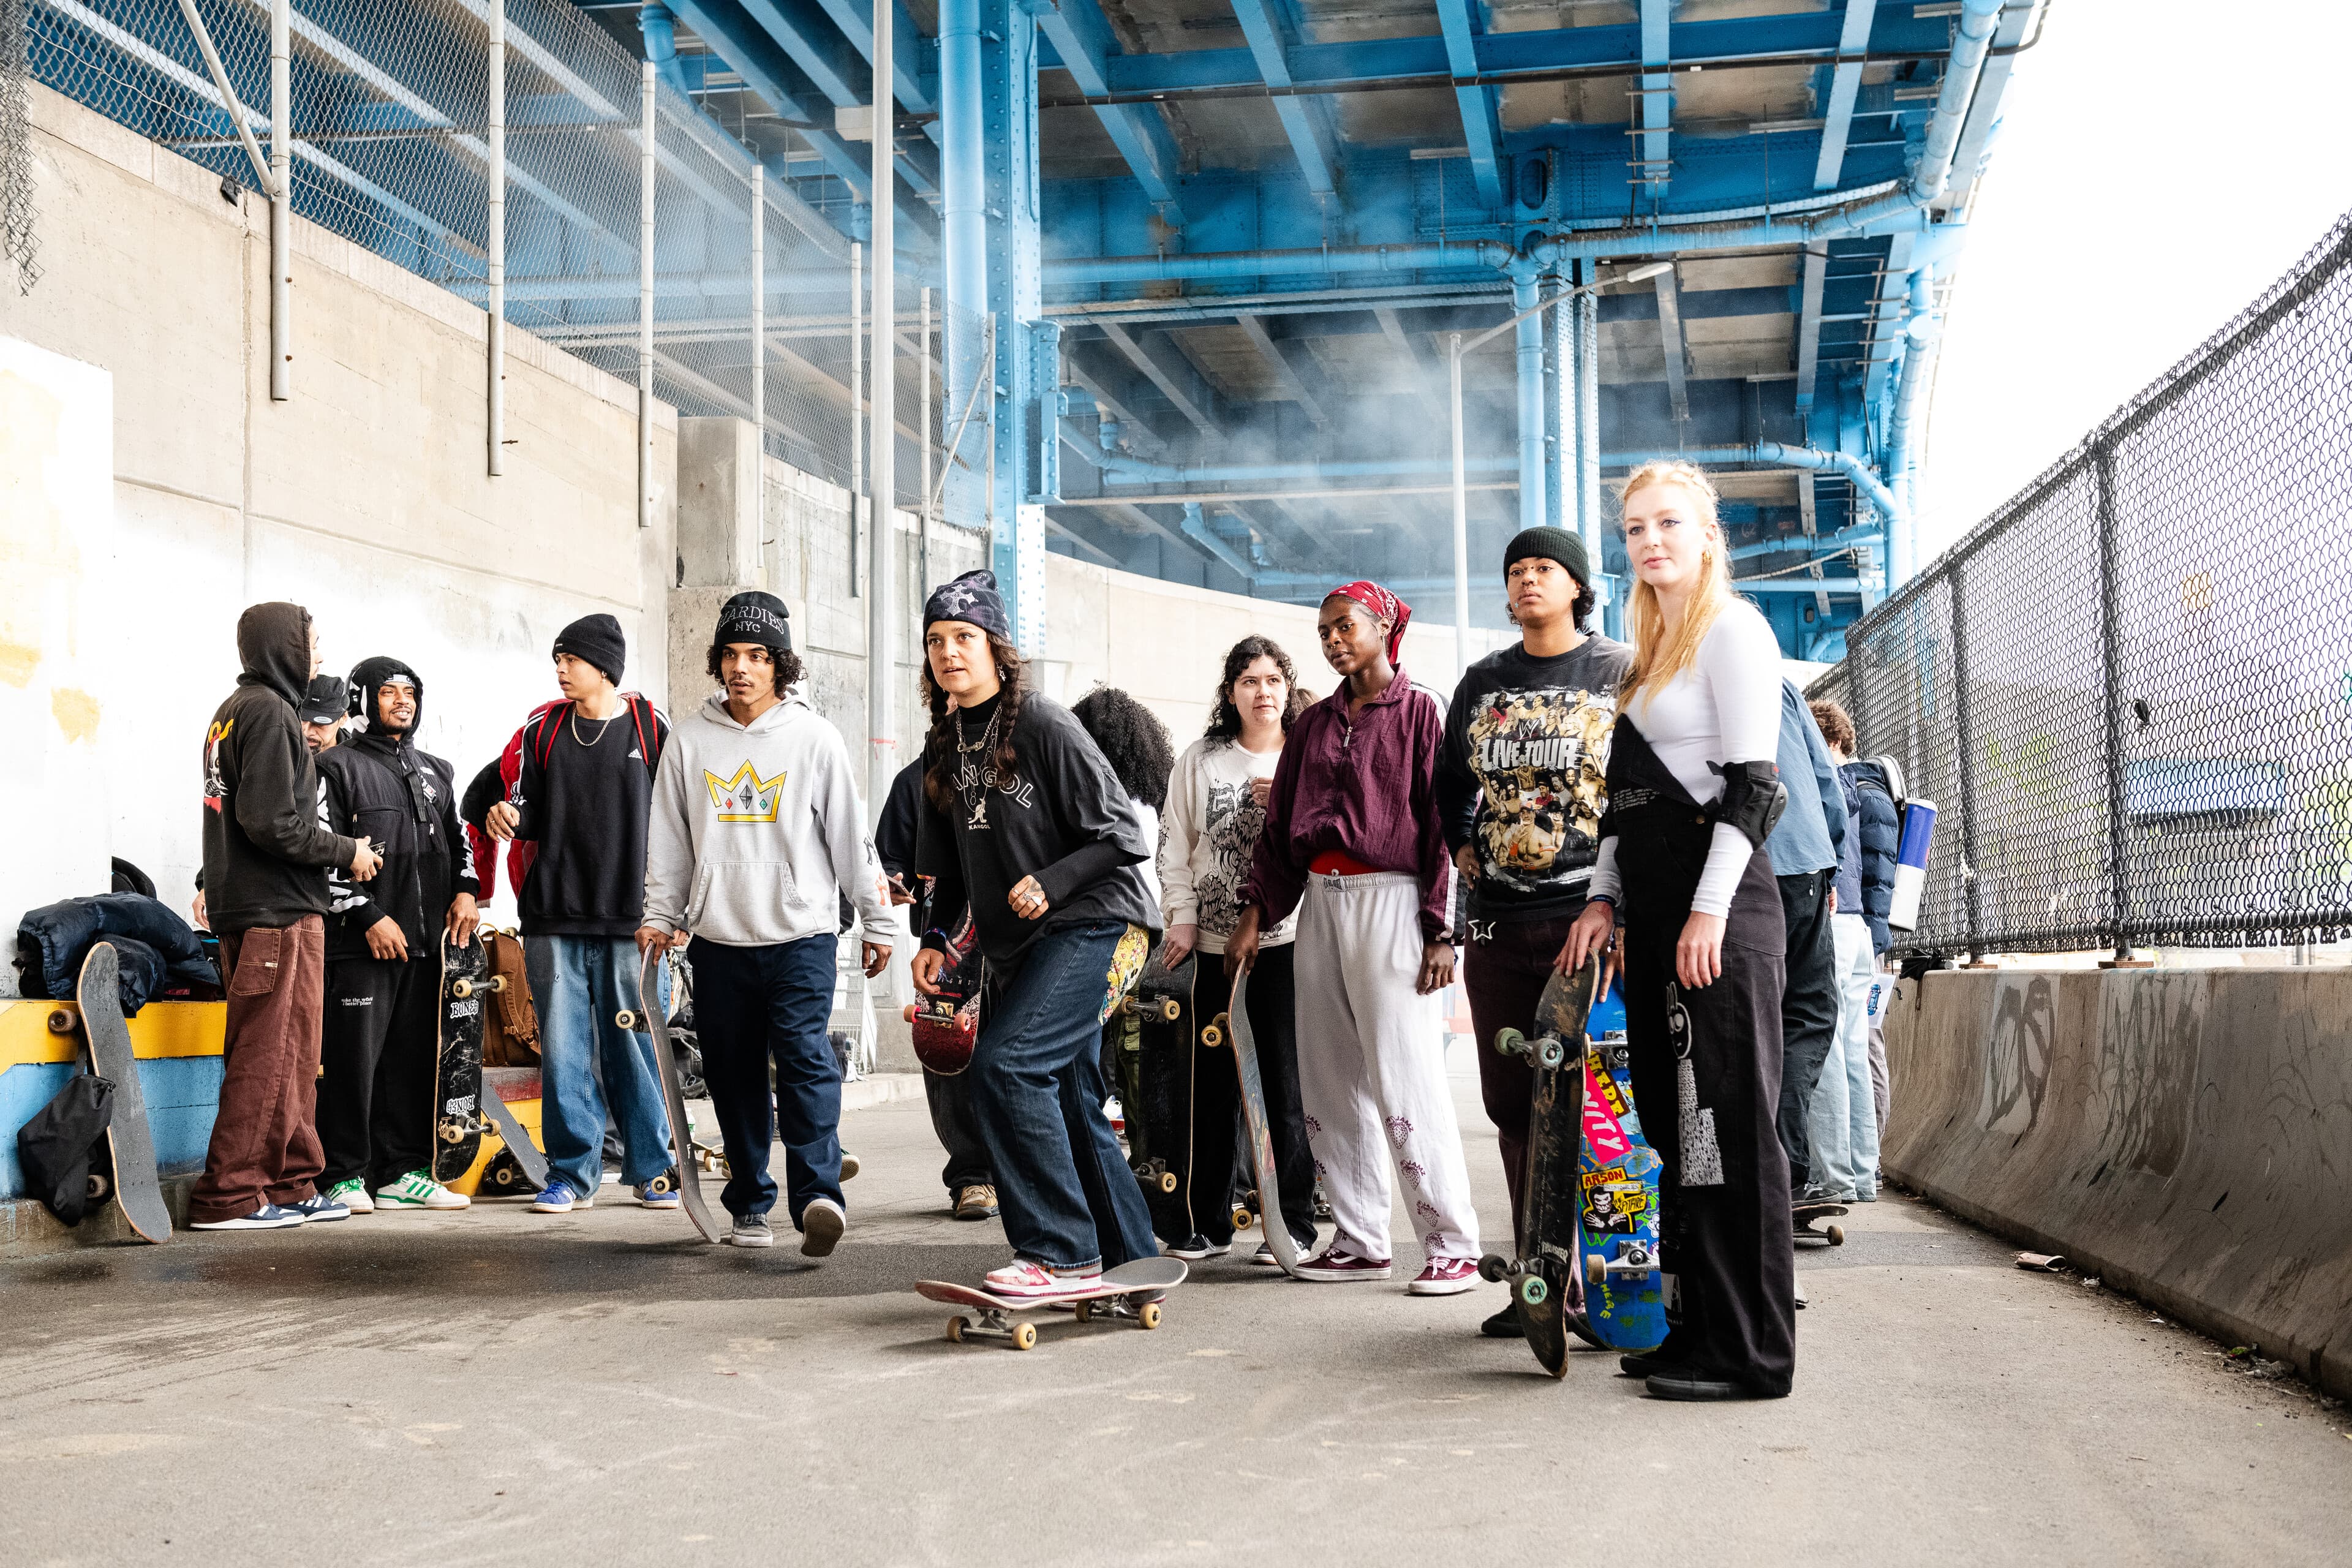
<point x="497" y="1387"/>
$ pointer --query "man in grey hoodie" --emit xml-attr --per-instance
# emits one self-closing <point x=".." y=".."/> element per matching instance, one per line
<point x="756" y="832"/>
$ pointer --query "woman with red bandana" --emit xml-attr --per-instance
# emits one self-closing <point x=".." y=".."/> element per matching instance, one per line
<point x="1354" y="842"/>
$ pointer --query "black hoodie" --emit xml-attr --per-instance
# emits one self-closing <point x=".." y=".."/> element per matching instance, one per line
<point x="264" y="844"/>
<point x="379" y="784"/>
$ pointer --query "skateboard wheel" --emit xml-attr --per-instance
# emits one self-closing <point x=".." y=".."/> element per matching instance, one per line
<point x="1212" y="1035"/>
<point x="1551" y="1053"/>
<point x="1084" y="1311"/>
<point x="453" y="1132"/>
<point x="496" y="983"/>
<point x="461" y="989"/>
<point x="1534" y="1292"/>
<point x="1494" y="1268"/>
<point x="910" y="1011"/>
<point x="1168" y="1183"/>
<point x="625" y="1019"/>
<point x="1837" y="1236"/>
<point x="60" y="1022"/>
<point x="1025" y="1336"/>
<point x="1172" y="1010"/>
<point x="1241" y="1217"/>
<point x="98" y="1187"/>
<point x="1596" y="1268"/>
<point x="956" y="1327"/>
<point x="1509" y="1042"/>
<point x="1148" y="1315"/>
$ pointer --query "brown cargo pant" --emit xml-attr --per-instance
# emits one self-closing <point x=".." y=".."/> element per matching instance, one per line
<point x="265" y="1144"/>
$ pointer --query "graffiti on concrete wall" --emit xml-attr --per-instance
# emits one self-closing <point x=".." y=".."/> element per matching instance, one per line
<point x="2151" y="1034"/>
<point x="2016" y="1054"/>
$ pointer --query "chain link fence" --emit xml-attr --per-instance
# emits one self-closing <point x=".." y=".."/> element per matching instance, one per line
<point x="390" y="109"/>
<point x="2129" y="691"/>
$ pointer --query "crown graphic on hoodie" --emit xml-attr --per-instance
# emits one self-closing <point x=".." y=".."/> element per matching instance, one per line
<point x="746" y="797"/>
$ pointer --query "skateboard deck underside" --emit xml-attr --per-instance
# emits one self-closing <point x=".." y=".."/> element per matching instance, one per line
<point x="99" y="990"/>
<point x="457" y="1059"/>
<point x="1260" y="1134"/>
<point x="1618" y="1172"/>
<point x="1159" y="1125"/>
<point x="1548" y="1222"/>
<point x="653" y="1019"/>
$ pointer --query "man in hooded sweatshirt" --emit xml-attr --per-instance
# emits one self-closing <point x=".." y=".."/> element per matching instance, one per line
<point x="383" y="1029"/>
<point x="756" y="834"/>
<point x="581" y="795"/>
<point x="266" y="852"/>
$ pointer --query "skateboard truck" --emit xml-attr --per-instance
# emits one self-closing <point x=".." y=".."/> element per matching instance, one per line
<point x="461" y="989"/>
<point x="1546" y="1051"/>
<point x="1636" y="1258"/>
<point x="1526" y="1283"/>
<point x="1156" y="1173"/>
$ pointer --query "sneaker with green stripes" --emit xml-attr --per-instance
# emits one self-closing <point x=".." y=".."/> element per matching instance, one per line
<point x="418" y="1191"/>
<point x="352" y="1193"/>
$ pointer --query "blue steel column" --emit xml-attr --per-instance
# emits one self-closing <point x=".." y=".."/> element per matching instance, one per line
<point x="1008" y="54"/>
<point x="1588" y="447"/>
<point x="964" y="245"/>
<point x="1559" y="418"/>
<point x="1529" y="336"/>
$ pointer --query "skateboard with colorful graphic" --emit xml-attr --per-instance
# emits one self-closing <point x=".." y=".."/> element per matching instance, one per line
<point x="1268" y="1195"/>
<point x="1128" y="1293"/>
<point x="1617" y="1171"/>
<point x="650" y="1019"/>
<point x="466" y="986"/>
<point x="99" y="990"/>
<point x="1158" y="1123"/>
<point x="1545" y="1277"/>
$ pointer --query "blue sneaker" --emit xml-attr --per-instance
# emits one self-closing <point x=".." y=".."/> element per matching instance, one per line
<point x="557" y="1197"/>
<point x="268" y="1216"/>
<point x="318" y="1208"/>
<point x="661" y="1193"/>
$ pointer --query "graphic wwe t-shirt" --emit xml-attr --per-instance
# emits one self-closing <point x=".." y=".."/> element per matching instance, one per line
<point x="1523" y="775"/>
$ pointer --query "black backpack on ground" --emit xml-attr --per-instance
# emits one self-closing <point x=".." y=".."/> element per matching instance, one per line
<point x="63" y="1148"/>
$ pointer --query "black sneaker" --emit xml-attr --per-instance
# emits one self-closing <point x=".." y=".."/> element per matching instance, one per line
<point x="1645" y="1364"/>
<point x="1503" y="1325"/>
<point x="1196" y="1247"/>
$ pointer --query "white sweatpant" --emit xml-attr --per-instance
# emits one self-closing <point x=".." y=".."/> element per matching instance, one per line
<point x="1371" y="1068"/>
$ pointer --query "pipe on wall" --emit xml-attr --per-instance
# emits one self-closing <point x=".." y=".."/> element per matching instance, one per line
<point x="1529" y="341"/>
<point x="1970" y="42"/>
<point x="1777" y="454"/>
<point x="1196" y="529"/>
<point x="658" y="28"/>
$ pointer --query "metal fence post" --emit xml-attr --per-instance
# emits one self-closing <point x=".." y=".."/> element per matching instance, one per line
<point x="1964" y="739"/>
<point x="645" y="305"/>
<point x="281" y="203"/>
<point x="2103" y="474"/>
<point x="857" y="398"/>
<point x="498" y="238"/>
<point x="882" y="576"/>
<point x="759" y="321"/>
<point x="923" y="516"/>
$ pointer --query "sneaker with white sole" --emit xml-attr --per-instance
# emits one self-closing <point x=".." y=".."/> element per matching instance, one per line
<point x="1337" y="1263"/>
<point x="318" y="1208"/>
<point x="1196" y="1247"/>
<point x="268" y="1216"/>
<point x="661" y="1193"/>
<point x="1445" y="1277"/>
<point x="1263" y="1257"/>
<point x="1025" y="1276"/>
<point x="822" y="1224"/>
<point x="352" y="1193"/>
<point x="416" y="1190"/>
<point x="751" y="1230"/>
<point x="557" y="1197"/>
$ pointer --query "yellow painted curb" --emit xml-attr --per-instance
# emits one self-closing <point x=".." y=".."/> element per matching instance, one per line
<point x="163" y="1030"/>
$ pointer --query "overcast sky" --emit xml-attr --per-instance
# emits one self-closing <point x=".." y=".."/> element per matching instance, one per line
<point x="2160" y="164"/>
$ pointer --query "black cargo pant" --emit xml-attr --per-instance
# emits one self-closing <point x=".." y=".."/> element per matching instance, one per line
<point x="950" y="1097"/>
<point x="378" y="1040"/>
<point x="1809" y="1009"/>
<point x="1726" y="1246"/>
<point x="1505" y="974"/>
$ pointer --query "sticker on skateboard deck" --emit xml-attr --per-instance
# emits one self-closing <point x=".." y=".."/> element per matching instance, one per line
<point x="650" y="1019"/>
<point x="1110" y="1295"/>
<point x="133" y="1143"/>
<point x="1544" y="1277"/>
<point x="466" y="986"/>
<point x="1279" y="1239"/>
<point x="1618" y="1172"/>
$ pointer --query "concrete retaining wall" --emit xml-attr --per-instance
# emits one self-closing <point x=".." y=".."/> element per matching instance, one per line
<point x="2185" y="1135"/>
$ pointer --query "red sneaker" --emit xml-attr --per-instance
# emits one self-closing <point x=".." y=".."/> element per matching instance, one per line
<point x="1336" y="1263"/>
<point x="1444" y="1277"/>
<point x="1025" y="1276"/>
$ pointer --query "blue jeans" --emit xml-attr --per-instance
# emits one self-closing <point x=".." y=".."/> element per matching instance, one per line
<point x="580" y="986"/>
<point x="751" y="1004"/>
<point x="1062" y="1184"/>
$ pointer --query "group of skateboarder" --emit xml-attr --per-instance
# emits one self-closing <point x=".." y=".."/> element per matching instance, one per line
<point x="1577" y="797"/>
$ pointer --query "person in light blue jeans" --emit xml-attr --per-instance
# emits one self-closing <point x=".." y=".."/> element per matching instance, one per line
<point x="1841" y="1116"/>
<point x="581" y="986"/>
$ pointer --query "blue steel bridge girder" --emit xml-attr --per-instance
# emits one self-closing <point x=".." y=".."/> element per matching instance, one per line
<point x="1082" y="42"/>
<point x="839" y="70"/>
<point x="1482" y="130"/>
<point x="1305" y="121"/>
<point x="1845" y="83"/>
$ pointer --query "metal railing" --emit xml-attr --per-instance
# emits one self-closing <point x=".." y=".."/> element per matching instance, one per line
<point x="395" y="136"/>
<point x="2129" y="691"/>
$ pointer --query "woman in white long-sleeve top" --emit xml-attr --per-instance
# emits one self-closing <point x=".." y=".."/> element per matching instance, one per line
<point x="1693" y="792"/>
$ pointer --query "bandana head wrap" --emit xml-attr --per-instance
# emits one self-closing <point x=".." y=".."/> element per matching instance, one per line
<point x="1381" y="603"/>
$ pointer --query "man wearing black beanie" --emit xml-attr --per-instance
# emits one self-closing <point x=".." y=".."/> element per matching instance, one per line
<point x="583" y="796"/>
<point x="1521" y="786"/>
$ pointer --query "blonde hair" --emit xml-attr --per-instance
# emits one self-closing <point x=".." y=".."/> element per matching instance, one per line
<point x="1661" y="651"/>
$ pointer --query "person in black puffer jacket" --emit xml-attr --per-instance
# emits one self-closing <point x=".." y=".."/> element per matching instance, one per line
<point x="376" y="1114"/>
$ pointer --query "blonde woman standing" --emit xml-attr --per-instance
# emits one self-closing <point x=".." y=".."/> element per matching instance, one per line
<point x="1692" y="793"/>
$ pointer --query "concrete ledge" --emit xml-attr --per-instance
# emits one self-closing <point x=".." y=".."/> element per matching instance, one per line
<point x="2184" y="1134"/>
<point x="880" y="1089"/>
<point x="27" y="1228"/>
